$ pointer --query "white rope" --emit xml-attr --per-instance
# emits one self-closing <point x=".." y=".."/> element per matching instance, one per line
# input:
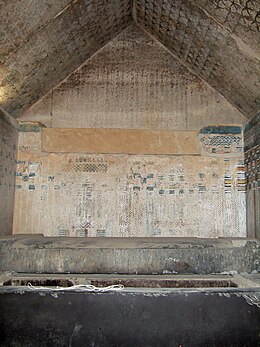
<point x="80" y="288"/>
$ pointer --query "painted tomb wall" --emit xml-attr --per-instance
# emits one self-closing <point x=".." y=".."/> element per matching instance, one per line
<point x="84" y="182"/>
<point x="252" y="160"/>
<point x="78" y="194"/>
<point x="8" y="148"/>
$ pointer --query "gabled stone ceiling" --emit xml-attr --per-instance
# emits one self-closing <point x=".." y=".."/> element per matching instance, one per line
<point x="42" y="42"/>
<point x="193" y="31"/>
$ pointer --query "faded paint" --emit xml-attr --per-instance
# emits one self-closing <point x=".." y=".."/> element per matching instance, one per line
<point x="123" y="141"/>
<point x="252" y="160"/>
<point x="128" y="195"/>
<point x="133" y="82"/>
<point x="219" y="141"/>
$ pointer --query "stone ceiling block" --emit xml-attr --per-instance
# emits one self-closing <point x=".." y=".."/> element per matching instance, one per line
<point x="42" y="42"/>
<point x="206" y="47"/>
<point x="46" y="54"/>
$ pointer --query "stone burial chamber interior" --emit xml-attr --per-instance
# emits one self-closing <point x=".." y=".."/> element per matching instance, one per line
<point x="130" y="155"/>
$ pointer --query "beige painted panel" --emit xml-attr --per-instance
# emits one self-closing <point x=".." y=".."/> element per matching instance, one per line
<point x="129" y="141"/>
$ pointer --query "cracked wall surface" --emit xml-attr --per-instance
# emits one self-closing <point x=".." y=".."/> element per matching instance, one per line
<point x="133" y="82"/>
<point x="42" y="42"/>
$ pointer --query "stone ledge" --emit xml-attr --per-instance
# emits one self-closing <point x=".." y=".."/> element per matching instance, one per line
<point x="129" y="256"/>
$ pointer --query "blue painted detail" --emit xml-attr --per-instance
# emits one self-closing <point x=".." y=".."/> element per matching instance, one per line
<point x="30" y="128"/>
<point x="222" y="130"/>
<point x="202" y="189"/>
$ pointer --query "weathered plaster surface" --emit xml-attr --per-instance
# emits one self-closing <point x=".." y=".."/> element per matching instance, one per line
<point x="132" y="195"/>
<point x="8" y="148"/>
<point x="120" y="141"/>
<point x="252" y="159"/>
<point x="133" y="82"/>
